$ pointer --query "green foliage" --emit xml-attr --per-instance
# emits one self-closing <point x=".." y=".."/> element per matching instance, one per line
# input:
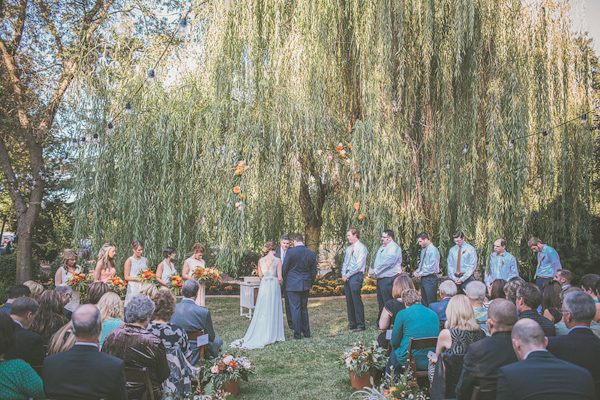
<point x="248" y="263"/>
<point x="8" y="268"/>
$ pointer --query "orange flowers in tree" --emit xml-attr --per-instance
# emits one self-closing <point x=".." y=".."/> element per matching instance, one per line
<point x="361" y="216"/>
<point x="356" y="206"/>
<point x="236" y="190"/>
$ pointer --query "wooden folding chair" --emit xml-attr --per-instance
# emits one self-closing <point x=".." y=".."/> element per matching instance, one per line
<point x="483" y="394"/>
<point x="141" y="376"/>
<point x="194" y="335"/>
<point x="418" y="344"/>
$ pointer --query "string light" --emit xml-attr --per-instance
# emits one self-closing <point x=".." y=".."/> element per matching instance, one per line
<point x="434" y="173"/>
<point x="151" y="76"/>
<point x="95" y="138"/>
<point x="511" y="144"/>
<point x="487" y="145"/>
<point x="111" y="127"/>
<point x="583" y="119"/>
<point x="75" y="142"/>
<point x="184" y="27"/>
<point x="128" y="108"/>
<point x="448" y="164"/>
<point x="64" y="161"/>
<point x="465" y="148"/>
<point x="82" y="140"/>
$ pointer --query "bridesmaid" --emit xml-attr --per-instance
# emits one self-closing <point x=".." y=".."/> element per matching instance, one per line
<point x="166" y="268"/>
<point x="68" y="267"/>
<point x="133" y="266"/>
<point x="192" y="264"/>
<point x="105" y="267"/>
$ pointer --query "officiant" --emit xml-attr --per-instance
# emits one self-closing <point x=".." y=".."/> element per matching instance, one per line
<point x="387" y="266"/>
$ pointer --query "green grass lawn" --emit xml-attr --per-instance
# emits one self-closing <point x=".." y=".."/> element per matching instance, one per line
<point x="297" y="369"/>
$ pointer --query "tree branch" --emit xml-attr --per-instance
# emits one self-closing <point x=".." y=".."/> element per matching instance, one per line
<point x="51" y="26"/>
<point x="15" y="195"/>
<point x="21" y="17"/>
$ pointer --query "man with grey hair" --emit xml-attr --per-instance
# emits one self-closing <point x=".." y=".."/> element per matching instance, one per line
<point x="448" y="289"/>
<point x="92" y="374"/>
<point x="475" y="291"/>
<point x="580" y="346"/>
<point x="539" y="374"/>
<point x="192" y="317"/>
<point x="66" y="293"/>
<point x="486" y="356"/>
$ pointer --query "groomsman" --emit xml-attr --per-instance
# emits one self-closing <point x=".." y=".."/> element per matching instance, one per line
<point x="352" y="275"/>
<point x="462" y="261"/>
<point x="280" y="252"/>
<point x="548" y="262"/>
<point x="503" y="265"/>
<point x="387" y="266"/>
<point x="428" y="269"/>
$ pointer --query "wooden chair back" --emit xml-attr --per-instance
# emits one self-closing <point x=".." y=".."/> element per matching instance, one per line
<point x="194" y="335"/>
<point x="141" y="376"/>
<point x="418" y="344"/>
<point x="483" y="394"/>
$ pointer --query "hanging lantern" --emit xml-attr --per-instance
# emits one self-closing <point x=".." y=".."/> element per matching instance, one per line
<point x="465" y="148"/>
<point x="511" y="144"/>
<point x="184" y="27"/>
<point x="151" y="76"/>
<point x="487" y="145"/>
<point x="111" y="128"/>
<point x="128" y="108"/>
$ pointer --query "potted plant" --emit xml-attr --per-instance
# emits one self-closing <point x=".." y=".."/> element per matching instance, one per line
<point x="362" y="362"/>
<point x="226" y="372"/>
<point x="394" y="387"/>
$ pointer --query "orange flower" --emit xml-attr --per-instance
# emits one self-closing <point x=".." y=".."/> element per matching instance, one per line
<point x="239" y="170"/>
<point x="236" y="190"/>
<point x="361" y="217"/>
<point x="357" y="176"/>
<point x="241" y="196"/>
<point x="356" y="206"/>
<point x="350" y="145"/>
<point x="339" y="148"/>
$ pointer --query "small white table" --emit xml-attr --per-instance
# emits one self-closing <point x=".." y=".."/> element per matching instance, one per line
<point x="248" y="295"/>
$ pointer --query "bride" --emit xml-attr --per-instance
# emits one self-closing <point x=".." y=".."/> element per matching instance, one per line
<point x="267" y="323"/>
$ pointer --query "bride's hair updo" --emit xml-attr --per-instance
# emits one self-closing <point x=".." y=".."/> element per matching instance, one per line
<point x="269" y="246"/>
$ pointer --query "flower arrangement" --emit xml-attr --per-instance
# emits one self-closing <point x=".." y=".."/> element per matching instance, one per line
<point x="118" y="285"/>
<point x="228" y="368"/>
<point x="209" y="276"/>
<point x="175" y="283"/>
<point x="362" y="360"/>
<point x="147" y="276"/>
<point x="393" y="387"/>
<point x="80" y="282"/>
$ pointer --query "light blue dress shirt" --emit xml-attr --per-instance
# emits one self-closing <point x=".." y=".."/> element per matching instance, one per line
<point x="468" y="261"/>
<point x="431" y="263"/>
<point x="501" y="267"/>
<point x="548" y="262"/>
<point x="388" y="261"/>
<point x="355" y="259"/>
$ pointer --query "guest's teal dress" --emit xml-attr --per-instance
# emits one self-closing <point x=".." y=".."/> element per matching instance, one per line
<point x="416" y="321"/>
<point x="109" y="325"/>
<point x="19" y="381"/>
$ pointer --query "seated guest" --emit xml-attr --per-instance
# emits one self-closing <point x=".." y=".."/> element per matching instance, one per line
<point x="588" y="284"/>
<point x="14" y="293"/>
<point x="529" y="298"/>
<point x="50" y="317"/>
<point x="561" y="328"/>
<point x="511" y="288"/>
<point x="447" y="290"/>
<point x="539" y="374"/>
<point x="95" y="292"/>
<point x="496" y="291"/>
<point x="485" y="357"/>
<point x="415" y="321"/>
<point x="564" y="277"/>
<point x="192" y="317"/>
<point x="35" y="289"/>
<point x="66" y="293"/>
<point x="17" y="379"/>
<point x="391" y="307"/>
<point x="139" y="348"/>
<point x="111" y="310"/>
<point x="476" y="295"/>
<point x="91" y="374"/>
<point x="580" y="347"/>
<point x="461" y="329"/>
<point x="29" y="346"/>
<point x="177" y="344"/>
<point x="62" y="340"/>
<point x="551" y="301"/>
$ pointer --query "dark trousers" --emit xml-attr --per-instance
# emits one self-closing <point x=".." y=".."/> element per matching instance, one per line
<point x="461" y="287"/>
<point x="299" y="311"/>
<point x="539" y="282"/>
<point x="354" y="304"/>
<point x="384" y="293"/>
<point x="288" y="310"/>
<point x="429" y="286"/>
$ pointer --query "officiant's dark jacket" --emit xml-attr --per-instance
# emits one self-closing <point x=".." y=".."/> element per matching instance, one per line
<point x="83" y="372"/>
<point x="299" y="269"/>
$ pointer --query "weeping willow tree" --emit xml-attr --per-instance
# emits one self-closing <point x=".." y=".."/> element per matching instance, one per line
<point x="313" y="116"/>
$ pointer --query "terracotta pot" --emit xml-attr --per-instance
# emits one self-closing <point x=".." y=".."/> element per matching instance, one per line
<point x="232" y="387"/>
<point x="360" y="382"/>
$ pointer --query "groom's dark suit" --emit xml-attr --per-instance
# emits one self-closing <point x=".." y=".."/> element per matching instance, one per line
<point x="288" y="310"/>
<point x="299" y="272"/>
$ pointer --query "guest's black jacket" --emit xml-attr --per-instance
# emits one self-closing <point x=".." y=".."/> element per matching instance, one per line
<point x="29" y="347"/>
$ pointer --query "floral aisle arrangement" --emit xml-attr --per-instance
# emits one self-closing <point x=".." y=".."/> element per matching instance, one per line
<point x="361" y="360"/>
<point x="226" y="373"/>
<point x="209" y="276"/>
<point x="118" y="285"/>
<point x="394" y="387"/>
<point x="175" y="283"/>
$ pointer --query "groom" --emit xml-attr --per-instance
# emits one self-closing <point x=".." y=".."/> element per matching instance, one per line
<point x="299" y="272"/>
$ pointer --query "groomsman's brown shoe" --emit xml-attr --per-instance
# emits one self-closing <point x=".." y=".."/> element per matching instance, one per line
<point x="359" y="330"/>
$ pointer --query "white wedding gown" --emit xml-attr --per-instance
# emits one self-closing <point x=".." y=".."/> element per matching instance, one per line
<point x="267" y="322"/>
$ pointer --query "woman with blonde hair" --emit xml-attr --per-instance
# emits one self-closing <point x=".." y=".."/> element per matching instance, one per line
<point x="62" y="340"/>
<point x="105" y="267"/>
<point x="68" y="267"/>
<point x="191" y="265"/>
<point x="35" y="288"/>
<point x="112" y="313"/>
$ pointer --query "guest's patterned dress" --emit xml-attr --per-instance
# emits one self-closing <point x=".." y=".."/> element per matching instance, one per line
<point x="178" y="350"/>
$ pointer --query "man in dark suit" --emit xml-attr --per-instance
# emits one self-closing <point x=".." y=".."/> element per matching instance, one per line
<point x="580" y="347"/>
<point x="14" y="293"/>
<point x="448" y="289"/>
<point x="29" y="346"/>
<point x="191" y="317"/>
<point x="540" y="375"/>
<point x="485" y="357"/>
<point x="280" y="253"/>
<point x="92" y="374"/>
<point x="529" y="299"/>
<point x="299" y="272"/>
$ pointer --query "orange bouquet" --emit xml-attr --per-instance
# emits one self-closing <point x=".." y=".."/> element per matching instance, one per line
<point x="147" y="276"/>
<point x="175" y="283"/>
<point x="118" y="285"/>
<point x="209" y="276"/>
<point x="79" y="282"/>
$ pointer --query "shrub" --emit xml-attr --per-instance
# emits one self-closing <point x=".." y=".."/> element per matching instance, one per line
<point x="248" y="263"/>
